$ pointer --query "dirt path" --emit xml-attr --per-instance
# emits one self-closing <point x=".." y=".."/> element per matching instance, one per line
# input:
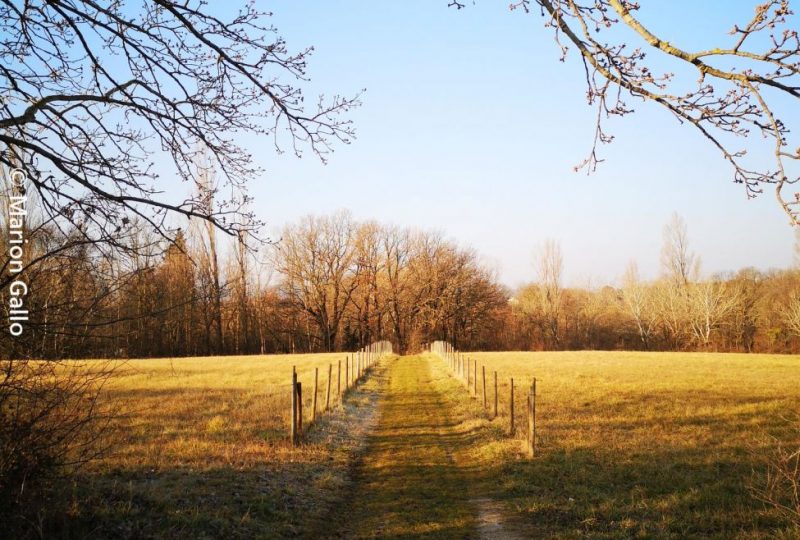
<point x="412" y="480"/>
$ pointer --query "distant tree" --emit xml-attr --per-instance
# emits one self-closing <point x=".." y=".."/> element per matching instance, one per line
<point x="671" y="305"/>
<point x="317" y="260"/>
<point x="748" y="284"/>
<point x="709" y="304"/>
<point x="680" y="265"/>
<point x="175" y="279"/>
<point x="367" y="299"/>
<point x="241" y="277"/>
<point x="791" y="314"/>
<point x="550" y="266"/>
<point x="638" y="301"/>
<point x="397" y="251"/>
<point x="207" y="257"/>
<point x="527" y="305"/>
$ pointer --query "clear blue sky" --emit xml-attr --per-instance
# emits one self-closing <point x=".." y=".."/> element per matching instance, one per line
<point x="471" y="126"/>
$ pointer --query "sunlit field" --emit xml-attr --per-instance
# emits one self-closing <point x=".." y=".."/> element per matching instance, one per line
<point x="207" y="412"/>
<point x="200" y="447"/>
<point x="644" y="445"/>
<point x="647" y="444"/>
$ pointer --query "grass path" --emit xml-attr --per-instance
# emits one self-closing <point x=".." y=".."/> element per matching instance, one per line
<point x="415" y="478"/>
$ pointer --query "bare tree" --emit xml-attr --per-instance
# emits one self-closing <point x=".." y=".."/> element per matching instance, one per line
<point x="748" y="284"/>
<point x="92" y="91"/>
<point x="317" y="260"/>
<point x="175" y="278"/>
<point x="709" y="304"/>
<point x="639" y="304"/>
<point x="242" y="269"/>
<point x="742" y="88"/>
<point x="366" y="299"/>
<point x="550" y="266"/>
<point x="791" y="314"/>
<point x="671" y="306"/>
<point x="207" y="259"/>
<point x="397" y="248"/>
<point x="680" y="265"/>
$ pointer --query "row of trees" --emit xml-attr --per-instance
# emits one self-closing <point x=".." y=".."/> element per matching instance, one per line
<point x="748" y="310"/>
<point x="332" y="283"/>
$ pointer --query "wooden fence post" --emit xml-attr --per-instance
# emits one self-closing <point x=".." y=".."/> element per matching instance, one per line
<point x="475" y="378"/>
<point x="469" y="367"/>
<point x="495" y="394"/>
<point x="533" y="418"/>
<point x="328" y="393"/>
<point x="293" y="427"/>
<point x="529" y="415"/>
<point x="299" y="408"/>
<point x="339" y="380"/>
<point x="347" y="372"/>
<point x="314" y="399"/>
<point x="483" y="373"/>
<point x="511" y="406"/>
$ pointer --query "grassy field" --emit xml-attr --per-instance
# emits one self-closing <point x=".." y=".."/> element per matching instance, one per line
<point x="200" y="449"/>
<point x="646" y="444"/>
<point x="631" y="445"/>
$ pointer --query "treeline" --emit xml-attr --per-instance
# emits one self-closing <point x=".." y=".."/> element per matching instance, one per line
<point x="747" y="311"/>
<point x="332" y="283"/>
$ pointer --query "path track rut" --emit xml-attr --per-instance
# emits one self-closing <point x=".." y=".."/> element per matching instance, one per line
<point x="414" y="480"/>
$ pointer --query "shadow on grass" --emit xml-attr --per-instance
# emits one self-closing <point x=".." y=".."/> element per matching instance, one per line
<point x="410" y="483"/>
<point x="424" y="470"/>
<point x="599" y="493"/>
<point x="271" y="502"/>
<point x="272" y="492"/>
<point x="421" y="472"/>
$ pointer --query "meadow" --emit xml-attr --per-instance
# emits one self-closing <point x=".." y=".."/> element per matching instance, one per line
<point x="630" y="445"/>
<point x="634" y="444"/>
<point x="199" y="448"/>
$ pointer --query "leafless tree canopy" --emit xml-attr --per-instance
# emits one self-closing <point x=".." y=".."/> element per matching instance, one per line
<point x="740" y="86"/>
<point x="91" y="92"/>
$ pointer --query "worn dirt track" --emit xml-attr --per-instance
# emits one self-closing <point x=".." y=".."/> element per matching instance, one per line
<point x="415" y="479"/>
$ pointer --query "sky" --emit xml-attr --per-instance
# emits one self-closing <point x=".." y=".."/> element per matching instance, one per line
<point x="471" y="126"/>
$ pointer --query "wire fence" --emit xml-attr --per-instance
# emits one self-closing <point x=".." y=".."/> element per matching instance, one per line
<point x="474" y="378"/>
<point x="355" y="370"/>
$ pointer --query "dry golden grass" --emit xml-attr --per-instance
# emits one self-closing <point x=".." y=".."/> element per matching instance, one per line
<point x="646" y="444"/>
<point x="210" y="412"/>
<point x="200" y="448"/>
<point x="651" y="445"/>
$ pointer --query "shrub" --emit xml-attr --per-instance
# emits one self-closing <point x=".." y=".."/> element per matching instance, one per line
<point x="779" y="487"/>
<point x="50" y="425"/>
